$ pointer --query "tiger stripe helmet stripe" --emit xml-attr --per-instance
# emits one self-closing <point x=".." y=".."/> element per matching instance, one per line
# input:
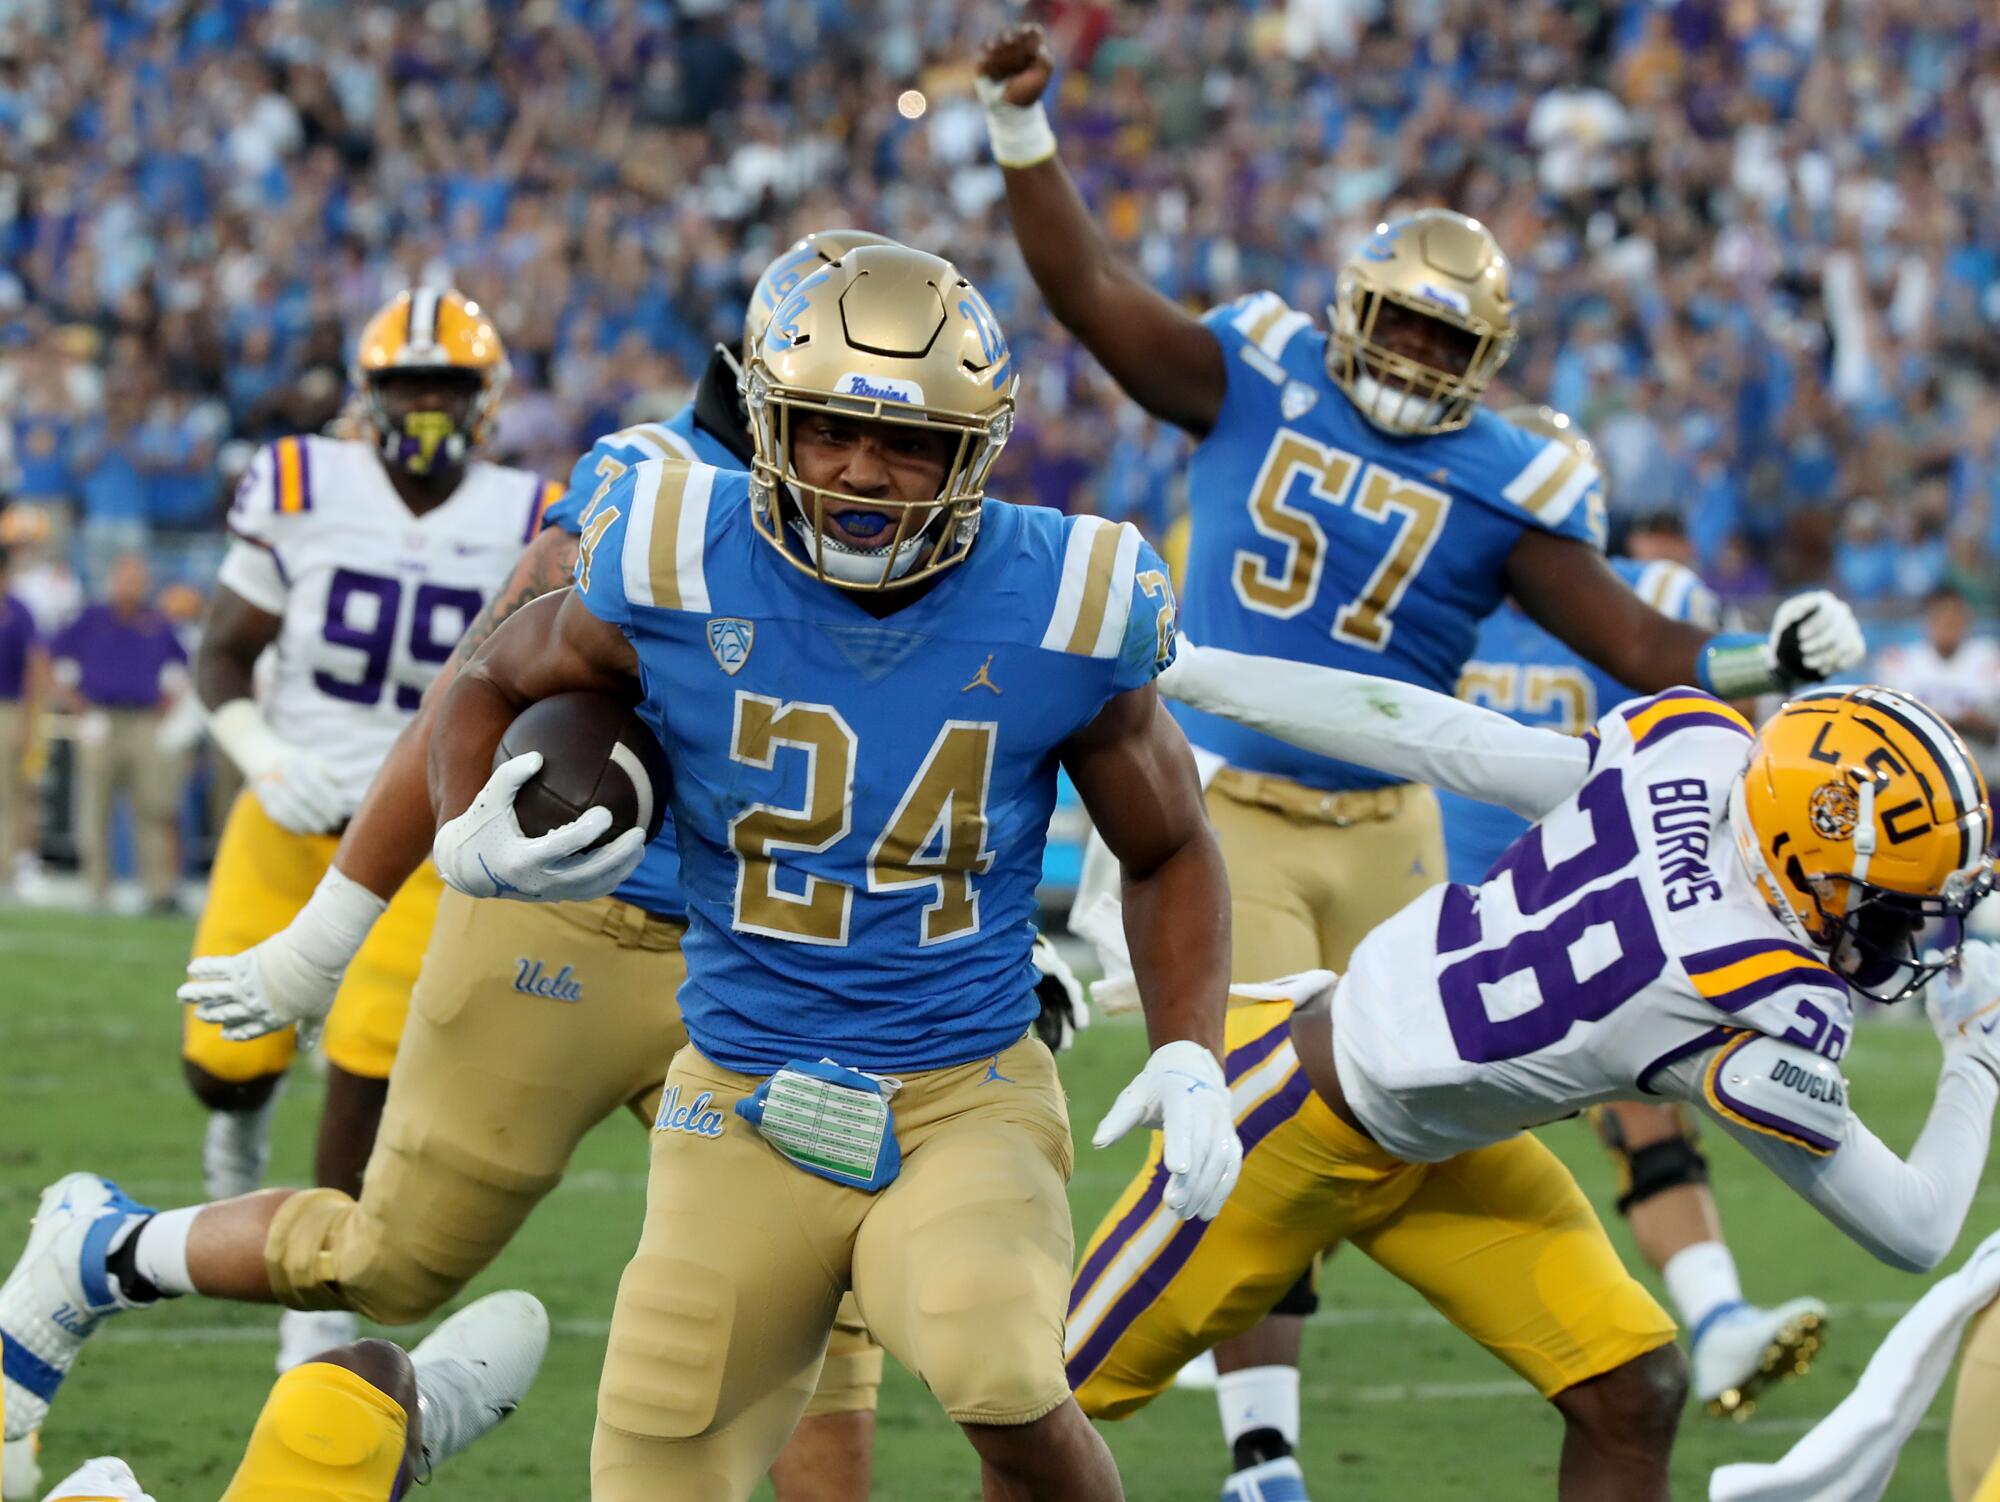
<point x="423" y="317"/>
<point x="1956" y="769"/>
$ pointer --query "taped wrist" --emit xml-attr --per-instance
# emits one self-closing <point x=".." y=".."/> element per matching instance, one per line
<point x="333" y="925"/>
<point x="1738" y="665"/>
<point x="239" y="729"/>
<point x="1020" y="134"/>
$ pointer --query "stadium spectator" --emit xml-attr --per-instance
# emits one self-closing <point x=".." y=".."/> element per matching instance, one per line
<point x="118" y="668"/>
<point x="23" y="666"/>
<point x="1955" y="670"/>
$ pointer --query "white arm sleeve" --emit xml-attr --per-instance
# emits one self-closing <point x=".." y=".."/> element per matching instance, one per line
<point x="1397" y="729"/>
<point x="253" y="573"/>
<point x="1908" y="1212"/>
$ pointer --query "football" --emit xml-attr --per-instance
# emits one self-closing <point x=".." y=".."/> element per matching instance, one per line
<point x="594" y="751"/>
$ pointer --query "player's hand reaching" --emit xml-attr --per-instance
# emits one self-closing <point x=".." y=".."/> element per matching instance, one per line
<point x="1181" y="1091"/>
<point x="485" y="853"/>
<point x="1813" y="636"/>
<point x="1964" y="1003"/>
<point x="291" y="979"/>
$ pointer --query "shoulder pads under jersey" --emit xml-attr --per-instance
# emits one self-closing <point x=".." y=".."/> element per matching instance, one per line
<point x="1779" y="1089"/>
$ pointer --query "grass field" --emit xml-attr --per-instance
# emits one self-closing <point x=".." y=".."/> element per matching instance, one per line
<point x="1398" y="1408"/>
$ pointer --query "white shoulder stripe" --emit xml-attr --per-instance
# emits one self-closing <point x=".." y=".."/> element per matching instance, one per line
<point x="1257" y="308"/>
<point x="636" y="559"/>
<point x="1552" y="483"/>
<point x="652" y="437"/>
<point x="682" y="449"/>
<point x="1075" y="572"/>
<point x="1118" y="608"/>
<point x="1541" y="469"/>
<point x="691" y="544"/>
<point x="1280" y="333"/>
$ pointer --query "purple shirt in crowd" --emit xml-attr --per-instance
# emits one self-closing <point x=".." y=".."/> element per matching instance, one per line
<point x="17" y="638"/>
<point x="119" y="661"/>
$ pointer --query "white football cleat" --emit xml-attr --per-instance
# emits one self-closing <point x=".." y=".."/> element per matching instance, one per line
<point x="1198" y="1375"/>
<point x="474" y="1369"/>
<point x="304" y="1333"/>
<point x="58" y="1291"/>
<point x="1742" y="1350"/>
<point x="236" y="1150"/>
<point x="1278" y="1480"/>
<point x="21" y="1469"/>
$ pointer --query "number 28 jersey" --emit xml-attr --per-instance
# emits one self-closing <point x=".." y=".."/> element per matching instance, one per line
<point x="1616" y="938"/>
<point x="1319" y="538"/>
<point x="862" y="803"/>
<point x="373" y="598"/>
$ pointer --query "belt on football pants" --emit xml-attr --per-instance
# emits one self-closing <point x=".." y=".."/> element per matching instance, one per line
<point x="1340" y="807"/>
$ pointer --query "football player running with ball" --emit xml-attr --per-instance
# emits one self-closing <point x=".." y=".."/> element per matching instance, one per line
<point x="357" y="564"/>
<point x="1683" y="922"/>
<point x="1353" y="505"/>
<point x="498" y="1076"/>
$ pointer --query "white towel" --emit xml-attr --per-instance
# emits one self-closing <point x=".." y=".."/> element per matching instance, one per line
<point x="1849" y="1455"/>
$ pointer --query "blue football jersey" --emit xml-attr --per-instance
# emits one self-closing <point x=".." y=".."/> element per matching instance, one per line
<point x="1319" y="538"/>
<point x="656" y="884"/>
<point x="862" y="803"/>
<point x="1527" y="675"/>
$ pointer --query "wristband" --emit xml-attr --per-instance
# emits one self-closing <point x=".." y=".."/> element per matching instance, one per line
<point x="333" y="925"/>
<point x="1020" y="134"/>
<point x="239" y="729"/>
<point x="1736" y="665"/>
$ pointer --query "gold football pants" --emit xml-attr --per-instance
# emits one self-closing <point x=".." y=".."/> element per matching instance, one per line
<point x="1974" y="1443"/>
<point x="959" y="1267"/>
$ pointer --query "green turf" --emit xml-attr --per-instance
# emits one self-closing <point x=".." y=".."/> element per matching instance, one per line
<point x="1398" y="1408"/>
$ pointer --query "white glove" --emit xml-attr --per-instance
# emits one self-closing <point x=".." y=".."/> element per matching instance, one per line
<point x="1181" y="1090"/>
<point x="99" y="1479"/>
<point x="296" y="788"/>
<point x="1813" y="636"/>
<point x="1964" y="1004"/>
<point x="483" y="852"/>
<point x="291" y="978"/>
<point x="1065" y="1013"/>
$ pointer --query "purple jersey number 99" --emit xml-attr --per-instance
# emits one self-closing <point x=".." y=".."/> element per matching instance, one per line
<point x="1610" y="929"/>
<point x="363" y="612"/>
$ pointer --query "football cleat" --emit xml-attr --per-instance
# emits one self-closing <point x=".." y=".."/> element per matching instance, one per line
<point x="1278" y="1480"/>
<point x="58" y="1291"/>
<point x="1742" y="1350"/>
<point x="474" y="1369"/>
<point x="235" y="1151"/>
<point x="304" y="1333"/>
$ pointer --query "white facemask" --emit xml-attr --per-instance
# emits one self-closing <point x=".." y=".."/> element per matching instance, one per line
<point x="1394" y="408"/>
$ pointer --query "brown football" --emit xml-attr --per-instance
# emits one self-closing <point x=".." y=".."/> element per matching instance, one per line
<point x="595" y="750"/>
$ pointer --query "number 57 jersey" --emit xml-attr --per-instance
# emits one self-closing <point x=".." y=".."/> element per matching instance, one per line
<point x="373" y="598"/>
<point x="862" y="803"/>
<point x="1615" y="939"/>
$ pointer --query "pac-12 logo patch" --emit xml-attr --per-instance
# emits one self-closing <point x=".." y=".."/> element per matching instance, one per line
<point x="729" y="638"/>
<point x="1297" y="400"/>
<point x="1834" y="810"/>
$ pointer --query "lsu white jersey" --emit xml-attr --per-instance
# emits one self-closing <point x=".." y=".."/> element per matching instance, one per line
<point x="1615" y="939"/>
<point x="373" y="597"/>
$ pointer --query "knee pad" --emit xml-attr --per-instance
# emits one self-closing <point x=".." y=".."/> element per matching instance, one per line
<point x="991" y="1354"/>
<point x="325" y="1251"/>
<point x="325" y="1432"/>
<point x="665" y="1361"/>
<point x="1652" y="1169"/>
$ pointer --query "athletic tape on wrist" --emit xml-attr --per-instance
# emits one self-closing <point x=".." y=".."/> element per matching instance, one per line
<point x="1020" y="134"/>
<point x="1736" y="665"/>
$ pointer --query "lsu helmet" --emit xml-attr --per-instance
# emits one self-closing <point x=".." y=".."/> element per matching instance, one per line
<point x="885" y="334"/>
<point x="1545" y="422"/>
<point x="431" y="331"/>
<point x="1864" y="823"/>
<point x="1433" y="266"/>
<point x="807" y="255"/>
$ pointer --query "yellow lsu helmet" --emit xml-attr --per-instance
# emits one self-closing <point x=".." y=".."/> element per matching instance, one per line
<point x="886" y="334"/>
<point x="1545" y="422"/>
<point x="1864" y="822"/>
<point x="807" y="255"/>
<point x="428" y="330"/>
<point x="1422" y="319"/>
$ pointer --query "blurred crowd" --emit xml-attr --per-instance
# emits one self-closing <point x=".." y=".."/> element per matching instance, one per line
<point x="1756" y="242"/>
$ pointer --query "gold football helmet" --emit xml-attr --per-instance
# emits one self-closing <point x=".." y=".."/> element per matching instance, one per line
<point x="807" y="255"/>
<point x="1545" y="422"/>
<point x="1422" y="319"/>
<point x="884" y="335"/>
<point x="1863" y="822"/>
<point x="436" y="333"/>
